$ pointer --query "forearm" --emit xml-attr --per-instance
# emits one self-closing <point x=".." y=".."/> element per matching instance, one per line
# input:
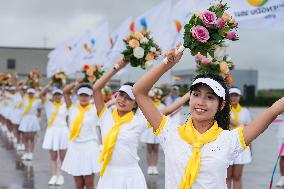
<point x="259" y="125"/>
<point x="176" y="105"/>
<point x="66" y="93"/>
<point x="100" y="83"/>
<point x="144" y="85"/>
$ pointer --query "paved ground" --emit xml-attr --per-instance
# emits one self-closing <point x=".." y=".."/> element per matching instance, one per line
<point x="15" y="174"/>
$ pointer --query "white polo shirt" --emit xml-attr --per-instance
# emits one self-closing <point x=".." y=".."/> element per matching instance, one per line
<point x="125" y="150"/>
<point x="215" y="157"/>
<point x="88" y="130"/>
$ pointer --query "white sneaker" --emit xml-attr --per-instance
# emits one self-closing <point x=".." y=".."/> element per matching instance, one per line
<point x="52" y="180"/>
<point x="155" y="170"/>
<point x="25" y="156"/>
<point x="30" y="156"/>
<point x="60" y="180"/>
<point x="280" y="182"/>
<point x="150" y="170"/>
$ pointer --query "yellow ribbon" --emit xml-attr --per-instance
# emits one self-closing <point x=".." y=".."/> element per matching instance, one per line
<point x="157" y="102"/>
<point x="236" y="112"/>
<point x="20" y="104"/>
<point x="54" y="114"/>
<point x="189" y="134"/>
<point x="110" y="140"/>
<point x="28" y="107"/>
<point x="78" y="121"/>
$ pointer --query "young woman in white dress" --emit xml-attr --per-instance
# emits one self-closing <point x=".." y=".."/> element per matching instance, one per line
<point x="56" y="135"/>
<point x="121" y="130"/>
<point x="29" y="124"/>
<point x="240" y="116"/>
<point x="81" y="160"/>
<point x="198" y="153"/>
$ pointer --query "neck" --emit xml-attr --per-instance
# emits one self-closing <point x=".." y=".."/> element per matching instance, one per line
<point x="121" y="113"/>
<point x="202" y="126"/>
<point x="235" y="105"/>
<point x="84" y="106"/>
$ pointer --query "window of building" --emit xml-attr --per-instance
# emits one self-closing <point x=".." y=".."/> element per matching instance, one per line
<point x="11" y="64"/>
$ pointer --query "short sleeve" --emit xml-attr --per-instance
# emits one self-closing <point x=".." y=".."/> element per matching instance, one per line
<point x="164" y="130"/>
<point x="238" y="144"/>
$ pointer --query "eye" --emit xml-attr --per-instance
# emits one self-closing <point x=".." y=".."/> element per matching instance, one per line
<point x="211" y="97"/>
<point x="195" y="93"/>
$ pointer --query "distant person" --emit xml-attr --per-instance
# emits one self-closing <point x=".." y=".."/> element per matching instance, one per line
<point x="174" y="96"/>
<point x="240" y="116"/>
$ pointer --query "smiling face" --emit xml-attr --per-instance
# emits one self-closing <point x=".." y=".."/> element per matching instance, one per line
<point x="124" y="103"/>
<point x="84" y="99"/>
<point x="57" y="97"/>
<point x="204" y="103"/>
<point x="235" y="99"/>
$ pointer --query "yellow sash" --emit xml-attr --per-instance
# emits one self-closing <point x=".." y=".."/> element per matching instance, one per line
<point x="28" y="107"/>
<point x="54" y="114"/>
<point x="189" y="134"/>
<point x="236" y="112"/>
<point x="78" y="121"/>
<point x="110" y="140"/>
<point x="157" y="102"/>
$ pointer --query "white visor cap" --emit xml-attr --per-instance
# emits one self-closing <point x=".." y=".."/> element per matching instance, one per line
<point x="128" y="90"/>
<point x="57" y="91"/>
<point x="31" y="90"/>
<point x="214" y="85"/>
<point x="85" y="90"/>
<point x="235" y="90"/>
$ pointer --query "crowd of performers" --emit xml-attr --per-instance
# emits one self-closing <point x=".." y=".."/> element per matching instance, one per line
<point x="87" y="135"/>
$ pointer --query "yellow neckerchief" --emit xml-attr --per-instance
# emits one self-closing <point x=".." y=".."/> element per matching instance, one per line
<point x="189" y="134"/>
<point x="157" y="102"/>
<point x="28" y="107"/>
<point x="20" y="104"/>
<point x="54" y="114"/>
<point x="111" y="137"/>
<point x="78" y="121"/>
<point x="236" y="114"/>
<point x="236" y="111"/>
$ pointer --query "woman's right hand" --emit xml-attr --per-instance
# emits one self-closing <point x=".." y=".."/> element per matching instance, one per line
<point x="173" y="56"/>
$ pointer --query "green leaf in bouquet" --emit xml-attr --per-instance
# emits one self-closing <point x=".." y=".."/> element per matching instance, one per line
<point x="216" y="36"/>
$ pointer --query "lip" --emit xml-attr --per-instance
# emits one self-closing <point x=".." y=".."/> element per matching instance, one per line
<point x="200" y="110"/>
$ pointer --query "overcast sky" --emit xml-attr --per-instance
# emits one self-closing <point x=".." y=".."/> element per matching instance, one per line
<point x="35" y="23"/>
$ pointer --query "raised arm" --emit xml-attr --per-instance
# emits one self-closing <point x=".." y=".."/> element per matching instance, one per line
<point x="42" y="94"/>
<point x="262" y="121"/>
<point x="176" y="105"/>
<point x="100" y="84"/>
<point x="67" y="90"/>
<point x="142" y="87"/>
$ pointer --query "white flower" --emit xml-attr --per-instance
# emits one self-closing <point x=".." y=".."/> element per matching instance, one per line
<point x="219" y="53"/>
<point x="144" y="40"/>
<point x="153" y="49"/>
<point x="149" y="63"/>
<point x="138" y="52"/>
<point x="228" y="59"/>
<point x="216" y="2"/>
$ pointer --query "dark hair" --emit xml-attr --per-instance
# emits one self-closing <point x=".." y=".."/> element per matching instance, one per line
<point x="129" y="83"/>
<point x="222" y="116"/>
<point x="88" y="85"/>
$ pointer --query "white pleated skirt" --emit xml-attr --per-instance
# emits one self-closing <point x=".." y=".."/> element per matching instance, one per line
<point x="82" y="158"/>
<point x="29" y="123"/>
<point x="16" y="116"/>
<point x="243" y="158"/>
<point x="56" y="138"/>
<point x="148" y="137"/>
<point x="123" y="177"/>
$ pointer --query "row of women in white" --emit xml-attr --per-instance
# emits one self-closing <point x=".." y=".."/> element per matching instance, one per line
<point x="197" y="153"/>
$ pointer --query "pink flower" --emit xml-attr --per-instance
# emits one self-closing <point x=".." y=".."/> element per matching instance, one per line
<point x="206" y="61"/>
<point x="231" y="35"/>
<point x="208" y="18"/>
<point x="200" y="33"/>
<point x="220" y="23"/>
<point x="198" y="57"/>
